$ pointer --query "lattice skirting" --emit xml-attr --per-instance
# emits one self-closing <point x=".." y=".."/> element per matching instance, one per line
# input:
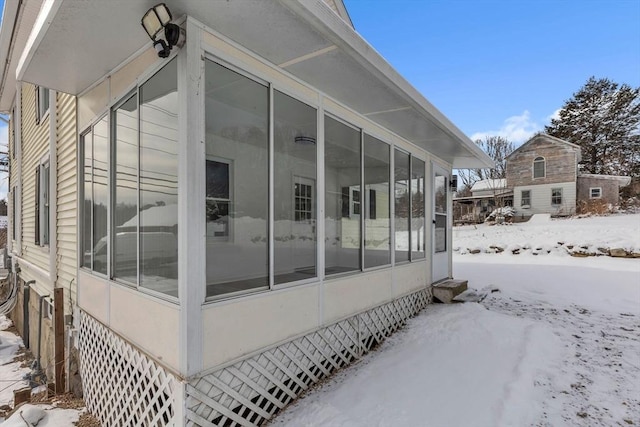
<point x="253" y="390"/>
<point x="122" y="386"/>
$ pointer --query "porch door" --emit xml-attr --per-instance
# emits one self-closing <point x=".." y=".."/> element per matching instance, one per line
<point x="440" y="220"/>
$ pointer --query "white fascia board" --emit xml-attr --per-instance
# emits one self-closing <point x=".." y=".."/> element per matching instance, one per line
<point x="7" y="28"/>
<point x="341" y="34"/>
<point x="40" y="28"/>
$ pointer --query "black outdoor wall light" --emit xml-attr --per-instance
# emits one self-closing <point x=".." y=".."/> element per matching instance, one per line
<point x="154" y="21"/>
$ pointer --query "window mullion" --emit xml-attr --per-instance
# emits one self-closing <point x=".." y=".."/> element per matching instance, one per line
<point x="270" y="198"/>
<point x="363" y="201"/>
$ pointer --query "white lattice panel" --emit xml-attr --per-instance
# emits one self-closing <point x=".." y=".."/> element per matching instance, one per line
<point x="253" y="390"/>
<point x="123" y="387"/>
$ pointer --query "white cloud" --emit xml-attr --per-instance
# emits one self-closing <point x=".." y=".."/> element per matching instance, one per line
<point x="516" y="129"/>
<point x="555" y="115"/>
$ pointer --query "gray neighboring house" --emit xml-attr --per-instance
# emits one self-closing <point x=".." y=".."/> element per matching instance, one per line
<point x="545" y="178"/>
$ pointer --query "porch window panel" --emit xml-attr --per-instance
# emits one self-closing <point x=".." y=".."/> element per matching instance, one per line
<point x="87" y="203"/>
<point x="402" y="200"/>
<point x="377" y="225"/>
<point x="342" y="197"/>
<point x="440" y="214"/>
<point x="100" y="191"/>
<point x="158" y="175"/>
<point x="125" y="204"/>
<point x="295" y="243"/>
<point x="417" y="207"/>
<point x="237" y="134"/>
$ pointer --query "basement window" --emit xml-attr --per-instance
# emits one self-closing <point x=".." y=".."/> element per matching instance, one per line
<point x="595" y="192"/>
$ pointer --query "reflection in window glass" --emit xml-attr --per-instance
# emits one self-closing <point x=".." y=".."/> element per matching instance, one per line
<point x="158" y="213"/>
<point x="440" y="194"/>
<point x="402" y="205"/>
<point x="342" y="197"/>
<point x="237" y="134"/>
<point x="87" y="206"/>
<point x="417" y="209"/>
<point x="100" y="193"/>
<point x="125" y="218"/>
<point x="295" y="127"/>
<point x="377" y="226"/>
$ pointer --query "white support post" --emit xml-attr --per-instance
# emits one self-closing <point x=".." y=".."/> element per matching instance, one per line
<point x="191" y="200"/>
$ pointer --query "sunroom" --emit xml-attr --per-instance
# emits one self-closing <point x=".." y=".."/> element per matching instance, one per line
<point x="255" y="210"/>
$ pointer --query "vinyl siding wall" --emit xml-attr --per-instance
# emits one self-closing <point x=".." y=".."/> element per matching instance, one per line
<point x="66" y="195"/>
<point x="35" y="145"/>
<point x="541" y="199"/>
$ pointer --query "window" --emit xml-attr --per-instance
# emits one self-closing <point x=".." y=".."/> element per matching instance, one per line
<point x="237" y="130"/>
<point x="42" y="103"/>
<point x="402" y="203"/>
<point x="294" y="192"/>
<point x="440" y="188"/>
<point x="377" y="223"/>
<point x="539" y="167"/>
<point x="95" y="244"/>
<point x="218" y="198"/>
<point x="12" y="123"/>
<point x="418" y="223"/>
<point x="303" y="194"/>
<point x="342" y="152"/>
<point x="42" y="204"/>
<point x="130" y="188"/>
<point x="556" y="196"/>
<point x="595" y="192"/>
<point x="525" y="198"/>
<point x="14" y="199"/>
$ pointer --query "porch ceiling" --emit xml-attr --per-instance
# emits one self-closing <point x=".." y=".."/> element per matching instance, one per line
<point x="75" y="43"/>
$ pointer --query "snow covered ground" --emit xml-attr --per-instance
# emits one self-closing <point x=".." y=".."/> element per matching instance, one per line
<point x="559" y="344"/>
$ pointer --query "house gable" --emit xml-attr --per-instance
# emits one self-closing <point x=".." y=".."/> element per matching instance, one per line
<point x="560" y="159"/>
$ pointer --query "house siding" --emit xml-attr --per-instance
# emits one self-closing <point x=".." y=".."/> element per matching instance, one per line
<point x="561" y="162"/>
<point x="541" y="199"/>
<point x="35" y="145"/>
<point x="66" y="196"/>
<point x="610" y="189"/>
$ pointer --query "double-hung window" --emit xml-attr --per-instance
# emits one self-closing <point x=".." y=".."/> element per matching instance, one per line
<point x="525" y="199"/>
<point x="556" y="196"/>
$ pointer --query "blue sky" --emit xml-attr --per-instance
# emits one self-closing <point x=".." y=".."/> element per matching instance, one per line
<point x="503" y="66"/>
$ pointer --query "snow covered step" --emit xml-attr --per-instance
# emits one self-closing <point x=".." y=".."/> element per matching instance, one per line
<point x="446" y="291"/>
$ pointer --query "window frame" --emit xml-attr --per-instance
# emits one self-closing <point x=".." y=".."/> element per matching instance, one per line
<point x="523" y="198"/>
<point x="42" y="110"/>
<point x="599" y="196"/>
<point x="539" y="160"/>
<point x="42" y="232"/>
<point x="229" y="237"/>
<point x="556" y="200"/>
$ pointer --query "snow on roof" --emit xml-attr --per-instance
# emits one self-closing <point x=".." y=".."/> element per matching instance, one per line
<point x="622" y="180"/>
<point x="489" y="184"/>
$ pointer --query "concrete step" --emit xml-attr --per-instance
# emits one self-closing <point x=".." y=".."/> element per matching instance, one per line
<point x="447" y="290"/>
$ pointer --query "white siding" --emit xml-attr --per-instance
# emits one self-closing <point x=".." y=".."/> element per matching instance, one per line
<point x="35" y="145"/>
<point x="541" y="199"/>
<point x="66" y="225"/>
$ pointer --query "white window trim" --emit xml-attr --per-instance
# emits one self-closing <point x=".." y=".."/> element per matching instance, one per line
<point x="533" y="167"/>
<point x="41" y="112"/>
<point x="591" y="196"/>
<point x="230" y="234"/>
<point x="44" y="199"/>
<point x="561" y="197"/>
<point x="522" y="204"/>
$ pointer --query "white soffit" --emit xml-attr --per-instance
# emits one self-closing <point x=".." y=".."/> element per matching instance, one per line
<point x="75" y="43"/>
